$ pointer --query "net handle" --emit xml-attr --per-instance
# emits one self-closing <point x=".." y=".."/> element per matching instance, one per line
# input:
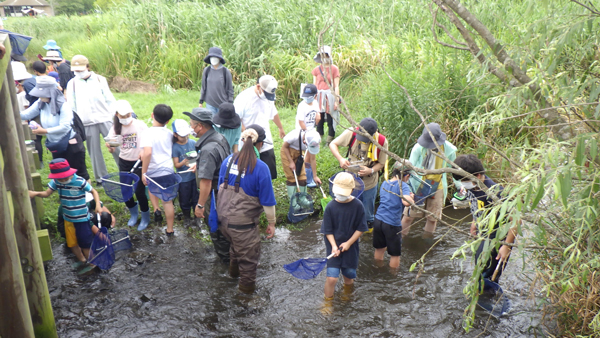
<point x="119" y="183"/>
<point x="99" y="220"/>
<point x="331" y="256"/>
<point x="121" y="240"/>
<point x="153" y="181"/>
<point x="296" y="178"/>
<point x="98" y="254"/>
<point x="135" y="166"/>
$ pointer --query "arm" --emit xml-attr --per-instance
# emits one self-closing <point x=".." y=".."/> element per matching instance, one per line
<point x="270" y="213"/>
<point x="32" y="112"/>
<point x="318" y="116"/>
<point x="42" y="194"/>
<point x="97" y="200"/>
<point x="333" y="146"/>
<point x="336" y="85"/>
<point x="205" y="186"/>
<point x="229" y="86"/>
<point x="146" y="156"/>
<point x="234" y="148"/>
<point x="505" y="250"/>
<point x="70" y="94"/>
<point x="66" y="117"/>
<point x="303" y="125"/>
<point x="179" y="164"/>
<point x="334" y="247"/>
<point x="346" y="245"/>
<point x="203" y="88"/>
<point x="279" y="125"/>
<point x="314" y="80"/>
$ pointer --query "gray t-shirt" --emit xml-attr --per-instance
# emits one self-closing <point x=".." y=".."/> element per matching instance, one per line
<point x="212" y="149"/>
<point x="217" y="87"/>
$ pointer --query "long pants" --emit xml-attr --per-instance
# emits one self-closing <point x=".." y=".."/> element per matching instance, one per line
<point x="245" y="251"/>
<point x="94" y="147"/>
<point x="188" y="196"/>
<point x="492" y="263"/>
<point x="220" y="242"/>
<point x="75" y="155"/>
<point x="368" y="200"/>
<point x="140" y="190"/>
<point x="331" y="129"/>
<point x="289" y="174"/>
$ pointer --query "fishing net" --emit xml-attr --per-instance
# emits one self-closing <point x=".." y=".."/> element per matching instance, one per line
<point x="18" y="42"/>
<point x="102" y="253"/>
<point x="120" y="186"/>
<point x="120" y="240"/>
<point x="493" y="300"/>
<point x="301" y="205"/>
<point x="359" y="185"/>
<point x="164" y="184"/>
<point x="306" y="268"/>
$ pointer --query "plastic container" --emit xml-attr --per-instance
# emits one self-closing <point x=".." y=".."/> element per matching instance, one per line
<point x="33" y="125"/>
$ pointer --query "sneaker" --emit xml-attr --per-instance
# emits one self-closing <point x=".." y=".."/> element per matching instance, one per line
<point x="158" y="216"/>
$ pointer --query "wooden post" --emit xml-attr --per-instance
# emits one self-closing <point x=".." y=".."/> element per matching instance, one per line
<point x="16" y="181"/>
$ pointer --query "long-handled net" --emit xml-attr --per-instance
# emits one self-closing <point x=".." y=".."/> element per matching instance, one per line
<point x="359" y="185"/>
<point x="121" y="186"/>
<point x="102" y="253"/>
<point x="120" y="239"/>
<point x="301" y="204"/>
<point x="493" y="300"/>
<point x="307" y="268"/>
<point x="163" y="184"/>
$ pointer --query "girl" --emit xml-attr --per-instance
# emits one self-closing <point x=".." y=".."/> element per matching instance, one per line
<point x="188" y="190"/>
<point x="326" y="77"/>
<point x="130" y="130"/>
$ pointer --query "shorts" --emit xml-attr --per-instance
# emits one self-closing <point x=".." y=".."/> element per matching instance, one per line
<point x="269" y="158"/>
<point x="70" y="234"/>
<point x="387" y="235"/>
<point x="346" y="272"/>
<point x="84" y="234"/>
<point x="433" y="204"/>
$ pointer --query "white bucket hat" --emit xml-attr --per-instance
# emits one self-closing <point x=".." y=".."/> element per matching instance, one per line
<point x="19" y="71"/>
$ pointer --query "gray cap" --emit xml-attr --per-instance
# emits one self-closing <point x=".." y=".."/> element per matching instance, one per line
<point x="201" y="115"/>
<point x="425" y="139"/>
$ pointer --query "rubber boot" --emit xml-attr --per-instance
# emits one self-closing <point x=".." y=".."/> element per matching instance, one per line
<point x="145" y="220"/>
<point x="291" y="190"/>
<point x="327" y="306"/>
<point x="134" y="211"/>
<point x="309" y="177"/>
<point x="187" y="220"/>
<point x="234" y="269"/>
<point x="248" y="289"/>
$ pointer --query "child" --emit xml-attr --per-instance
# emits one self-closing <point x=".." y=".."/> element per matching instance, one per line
<point x="71" y="189"/>
<point x="344" y="221"/>
<point x="307" y="116"/>
<point x="293" y="145"/>
<point x="158" y="146"/>
<point x="479" y="201"/>
<point x="188" y="190"/>
<point x="387" y="226"/>
<point x="326" y="77"/>
<point x="130" y="130"/>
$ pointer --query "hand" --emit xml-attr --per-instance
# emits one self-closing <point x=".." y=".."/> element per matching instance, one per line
<point x="344" y="247"/>
<point x="344" y="163"/>
<point x="412" y="195"/>
<point x="270" y="230"/>
<point x="144" y="180"/>
<point x="110" y="149"/>
<point x="199" y="212"/>
<point x="281" y="133"/>
<point x="335" y="106"/>
<point x="185" y="162"/>
<point x="317" y="180"/>
<point x="503" y="253"/>
<point x="200" y="105"/>
<point x="292" y="165"/>
<point x="364" y="171"/>
<point x="39" y="131"/>
<point x="32" y="194"/>
<point x="463" y="190"/>
<point x="335" y="251"/>
<point x="474" y="229"/>
<point x="193" y="168"/>
<point x="98" y="210"/>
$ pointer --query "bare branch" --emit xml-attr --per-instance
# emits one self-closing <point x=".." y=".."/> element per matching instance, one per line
<point x="496" y="150"/>
<point x="593" y="10"/>
<point x="435" y="23"/>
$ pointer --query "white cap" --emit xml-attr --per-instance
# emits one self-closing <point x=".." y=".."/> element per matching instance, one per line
<point x="268" y="84"/>
<point x="19" y="71"/>
<point x="181" y="127"/>
<point x="313" y="141"/>
<point x="122" y="107"/>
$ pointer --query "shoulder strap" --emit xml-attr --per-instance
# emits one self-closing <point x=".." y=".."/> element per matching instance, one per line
<point x="206" y="76"/>
<point x="227" y="172"/>
<point x="352" y="140"/>
<point x="300" y="143"/>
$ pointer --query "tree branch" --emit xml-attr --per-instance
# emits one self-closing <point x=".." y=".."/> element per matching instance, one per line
<point x="435" y="23"/>
<point x="594" y="11"/>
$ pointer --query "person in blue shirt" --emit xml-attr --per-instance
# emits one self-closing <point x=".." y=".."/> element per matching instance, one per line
<point x="387" y="225"/>
<point x="245" y="192"/>
<point x="188" y="189"/>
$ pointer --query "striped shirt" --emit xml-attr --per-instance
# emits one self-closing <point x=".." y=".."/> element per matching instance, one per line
<point x="72" y="198"/>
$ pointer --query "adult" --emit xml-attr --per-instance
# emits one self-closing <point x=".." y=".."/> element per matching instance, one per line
<point x="52" y="46"/>
<point x="245" y="191"/>
<point x="229" y="124"/>
<point x="56" y="118"/>
<point x="89" y="97"/>
<point x="294" y="144"/>
<point x="20" y="75"/>
<point x="256" y="105"/>
<point x="326" y="77"/>
<point x="371" y="160"/>
<point x="217" y="83"/>
<point x="422" y="156"/>
<point x="61" y="66"/>
<point x="39" y="69"/>
<point x="212" y="149"/>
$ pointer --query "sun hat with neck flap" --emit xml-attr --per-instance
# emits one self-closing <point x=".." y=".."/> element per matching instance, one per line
<point x="425" y="139"/>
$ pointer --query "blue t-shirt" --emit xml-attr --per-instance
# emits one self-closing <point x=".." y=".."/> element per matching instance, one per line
<point x="179" y="151"/>
<point x="72" y="198"/>
<point x="390" y="206"/>
<point x="341" y="220"/>
<point x="255" y="184"/>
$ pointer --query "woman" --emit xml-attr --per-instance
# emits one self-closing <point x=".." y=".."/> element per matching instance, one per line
<point x="56" y="119"/>
<point x="241" y="201"/>
<point x="326" y="77"/>
<point x="217" y="83"/>
<point x="228" y="124"/>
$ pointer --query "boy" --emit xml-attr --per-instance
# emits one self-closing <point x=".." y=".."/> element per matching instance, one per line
<point x="71" y="189"/>
<point x="157" y="143"/>
<point x="344" y="221"/>
<point x="479" y="201"/>
<point x="307" y="118"/>
<point x="387" y="225"/>
<point x="188" y="189"/>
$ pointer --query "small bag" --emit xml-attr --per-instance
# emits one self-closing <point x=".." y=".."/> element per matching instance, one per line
<point x="300" y="159"/>
<point x="59" y="146"/>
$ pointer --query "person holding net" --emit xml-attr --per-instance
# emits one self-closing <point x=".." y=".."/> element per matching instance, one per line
<point x="292" y="159"/>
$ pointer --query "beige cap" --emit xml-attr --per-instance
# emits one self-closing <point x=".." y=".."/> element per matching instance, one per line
<point x="343" y="184"/>
<point x="79" y="63"/>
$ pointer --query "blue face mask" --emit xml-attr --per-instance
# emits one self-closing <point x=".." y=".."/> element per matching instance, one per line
<point x="309" y="100"/>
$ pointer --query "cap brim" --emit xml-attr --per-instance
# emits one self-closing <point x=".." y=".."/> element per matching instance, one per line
<point x="307" y="94"/>
<point x="341" y="191"/>
<point x="40" y="93"/>
<point x="78" y="68"/>
<point x="46" y="47"/>
<point x="314" y="150"/>
<point x="269" y="96"/>
<point x="362" y="138"/>
<point x="51" y="59"/>
<point x="184" y="133"/>
<point x="63" y="174"/>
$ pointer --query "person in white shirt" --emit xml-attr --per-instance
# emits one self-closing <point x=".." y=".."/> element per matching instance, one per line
<point x="308" y="116"/>
<point x="89" y="96"/>
<point x="256" y="105"/>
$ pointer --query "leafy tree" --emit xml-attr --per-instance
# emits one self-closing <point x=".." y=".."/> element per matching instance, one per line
<point x="73" y="6"/>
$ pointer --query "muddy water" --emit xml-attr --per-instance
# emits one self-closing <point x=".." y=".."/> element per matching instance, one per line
<point x="175" y="287"/>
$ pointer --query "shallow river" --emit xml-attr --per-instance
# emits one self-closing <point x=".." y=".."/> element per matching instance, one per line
<point x="175" y="287"/>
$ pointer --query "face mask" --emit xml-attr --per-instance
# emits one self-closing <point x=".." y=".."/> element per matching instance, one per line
<point x="215" y="61"/>
<point x="193" y="133"/>
<point x="309" y="100"/>
<point x="468" y="185"/>
<point x="126" y="121"/>
<point x="82" y="74"/>
<point x="342" y="198"/>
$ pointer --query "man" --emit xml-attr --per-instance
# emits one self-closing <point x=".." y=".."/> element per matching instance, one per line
<point x="255" y="105"/>
<point x="61" y="66"/>
<point x="431" y="190"/>
<point x="212" y="149"/>
<point x="367" y="156"/>
<point x="89" y="97"/>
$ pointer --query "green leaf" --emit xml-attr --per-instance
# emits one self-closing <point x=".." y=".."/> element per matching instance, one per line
<point x="593" y="149"/>
<point x="540" y="193"/>
<point x="412" y="267"/>
<point x="565" y="186"/>
<point x="580" y="152"/>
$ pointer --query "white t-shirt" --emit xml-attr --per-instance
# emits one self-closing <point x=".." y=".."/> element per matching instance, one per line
<point x="131" y="146"/>
<point x="22" y="100"/>
<point x="254" y="110"/>
<point x="292" y="139"/>
<point x="160" y="139"/>
<point x="307" y="113"/>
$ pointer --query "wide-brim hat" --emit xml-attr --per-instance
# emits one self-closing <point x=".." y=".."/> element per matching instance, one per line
<point x="323" y="50"/>
<point x="201" y="115"/>
<point x="226" y="117"/>
<point x="214" y="52"/>
<point x="52" y="55"/>
<point x="343" y="184"/>
<point x="51" y="44"/>
<point x="370" y="126"/>
<point x="425" y="139"/>
<point x="19" y="71"/>
<point x="60" y="168"/>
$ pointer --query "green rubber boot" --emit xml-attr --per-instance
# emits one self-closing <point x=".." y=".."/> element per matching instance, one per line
<point x="291" y="190"/>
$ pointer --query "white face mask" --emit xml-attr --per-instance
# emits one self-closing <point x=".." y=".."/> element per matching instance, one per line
<point x="468" y="185"/>
<point x="214" y="61"/>
<point x="342" y="198"/>
<point x="83" y="74"/>
<point x="126" y="121"/>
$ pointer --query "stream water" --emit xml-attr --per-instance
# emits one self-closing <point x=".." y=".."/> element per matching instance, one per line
<point x="176" y="287"/>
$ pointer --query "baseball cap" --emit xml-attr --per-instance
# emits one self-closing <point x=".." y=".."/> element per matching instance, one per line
<point x="201" y="114"/>
<point x="268" y="84"/>
<point x="343" y="184"/>
<point x="79" y="63"/>
<point x="370" y="126"/>
<point x="259" y="130"/>
<point x="181" y="128"/>
<point x="309" y="90"/>
<point x="122" y="107"/>
<point x="313" y="141"/>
